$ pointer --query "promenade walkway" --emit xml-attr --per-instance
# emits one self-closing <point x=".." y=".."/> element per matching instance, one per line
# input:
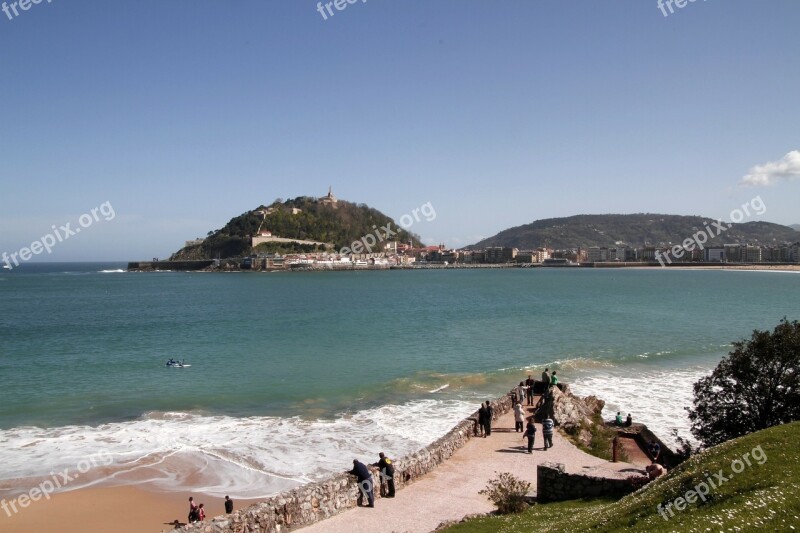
<point x="451" y="491"/>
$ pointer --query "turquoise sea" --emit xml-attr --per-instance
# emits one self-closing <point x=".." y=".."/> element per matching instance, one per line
<point x="293" y="374"/>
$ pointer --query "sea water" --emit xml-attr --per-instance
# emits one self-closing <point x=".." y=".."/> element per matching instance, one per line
<point x="294" y="374"/>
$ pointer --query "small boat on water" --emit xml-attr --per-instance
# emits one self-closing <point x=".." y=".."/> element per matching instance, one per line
<point x="172" y="363"/>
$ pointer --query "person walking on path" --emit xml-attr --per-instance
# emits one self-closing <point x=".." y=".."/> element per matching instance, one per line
<point x="489" y="416"/>
<point x="529" y="385"/>
<point x="365" y="484"/>
<point x="519" y="392"/>
<point x="519" y="417"/>
<point x="482" y="414"/>
<point x="530" y="434"/>
<point x="547" y="432"/>
<point x="387" y="473"/>
<point x="228" y="505"/>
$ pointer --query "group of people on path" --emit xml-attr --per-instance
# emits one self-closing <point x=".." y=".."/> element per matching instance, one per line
<point x="530" y="429"/>
<point x="525" y="389"/>
<point x="366" y="485"/>
<point x="485" y="416"/>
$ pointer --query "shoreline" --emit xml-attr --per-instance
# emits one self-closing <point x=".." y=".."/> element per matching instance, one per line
<point x="747" y="267"/>
<point x="134" y="508"/>
<point x="137" y="508"/>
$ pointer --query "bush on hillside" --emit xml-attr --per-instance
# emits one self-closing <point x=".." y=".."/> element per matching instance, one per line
<point x="757" y="386"/>
<point x="507" y="493"/>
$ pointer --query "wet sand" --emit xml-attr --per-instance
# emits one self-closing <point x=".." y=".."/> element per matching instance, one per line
<point x="119" y="509"/>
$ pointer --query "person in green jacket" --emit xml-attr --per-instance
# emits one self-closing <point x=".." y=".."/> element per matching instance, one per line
<point x="553" y="379"/>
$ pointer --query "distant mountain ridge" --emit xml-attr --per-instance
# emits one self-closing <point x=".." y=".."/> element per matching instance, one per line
<point x="796" y="227"/>
<point x="639" y="229"/>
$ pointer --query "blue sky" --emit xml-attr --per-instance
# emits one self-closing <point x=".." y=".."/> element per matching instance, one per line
<point x="183" y="114"/>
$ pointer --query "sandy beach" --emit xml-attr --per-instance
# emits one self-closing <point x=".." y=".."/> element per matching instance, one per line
<point x="128" y="509"/>
<point x="448" y="493"/>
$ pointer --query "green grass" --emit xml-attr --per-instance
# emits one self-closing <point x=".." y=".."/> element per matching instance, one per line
<point x="600" y="443"/>
<point x="763" y="497"/>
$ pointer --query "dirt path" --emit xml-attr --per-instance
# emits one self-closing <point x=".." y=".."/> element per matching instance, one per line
<point x="451" y="491"/>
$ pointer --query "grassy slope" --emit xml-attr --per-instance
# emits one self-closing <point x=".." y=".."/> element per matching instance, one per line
<point x="764" y="497"/>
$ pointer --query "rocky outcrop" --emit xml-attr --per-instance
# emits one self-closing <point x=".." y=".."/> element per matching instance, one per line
<point x="570" y="412"/>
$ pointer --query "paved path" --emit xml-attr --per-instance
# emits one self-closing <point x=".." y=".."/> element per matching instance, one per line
<point x="451" y="491"/>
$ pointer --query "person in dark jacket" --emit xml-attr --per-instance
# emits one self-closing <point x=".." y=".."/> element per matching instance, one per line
<point x="387" y="473"/>
<point x="482" y="415"/>
<point x="365" y="483"/>
<point x="228" y="505"/>
<point x="530" y="434"/>
<point x="489" y="416"/>
<point x="530" y="383"/>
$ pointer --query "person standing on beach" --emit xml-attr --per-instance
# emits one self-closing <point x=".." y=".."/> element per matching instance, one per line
<point x="530" y="434"/>
<point x="228" y="505"/>
<point x="365" y="484"/>
<point x="387" y="472"/>
<point x="529" y="385"/>
<point x="519" y="417"/>
<point x="201" y="512"/>
<point x="482" y="419"/>
<point x="546" y="379"/>
<point x="193" y="513"/>
<point x="547" y="432"/>
<point x="489" y="416"/>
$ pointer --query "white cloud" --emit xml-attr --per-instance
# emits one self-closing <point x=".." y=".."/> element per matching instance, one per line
<point x="771" y="173"/>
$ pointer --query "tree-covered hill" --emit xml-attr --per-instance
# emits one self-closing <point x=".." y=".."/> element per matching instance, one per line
<point x="303" y="218"/>
<point x="634" y="230"/>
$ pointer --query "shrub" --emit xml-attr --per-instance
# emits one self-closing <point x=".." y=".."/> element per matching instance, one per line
<point x="507" y="493"/>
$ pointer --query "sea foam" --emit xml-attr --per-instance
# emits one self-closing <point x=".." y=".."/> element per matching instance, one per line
<point x="250" y="457"/>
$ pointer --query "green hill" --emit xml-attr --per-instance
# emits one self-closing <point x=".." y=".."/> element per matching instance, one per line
<point x="764" y="496"/>
<point x="634" y="230"/>
<point x="303" y="218"/>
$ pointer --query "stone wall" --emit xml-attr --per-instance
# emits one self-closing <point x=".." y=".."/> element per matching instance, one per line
<point x="317" y="501"/>
<point x="554" y="484"/>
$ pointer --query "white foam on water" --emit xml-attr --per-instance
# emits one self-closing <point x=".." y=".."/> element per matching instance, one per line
<point x="654" y="397"/>
<point x="250" y="457"/>
<point x="114" y="271"/>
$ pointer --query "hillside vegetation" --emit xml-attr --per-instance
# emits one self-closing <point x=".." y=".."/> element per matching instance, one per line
<point x="635" y="230"/>
<point x="764" y="496"/>
<point x="338" y="225"/>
